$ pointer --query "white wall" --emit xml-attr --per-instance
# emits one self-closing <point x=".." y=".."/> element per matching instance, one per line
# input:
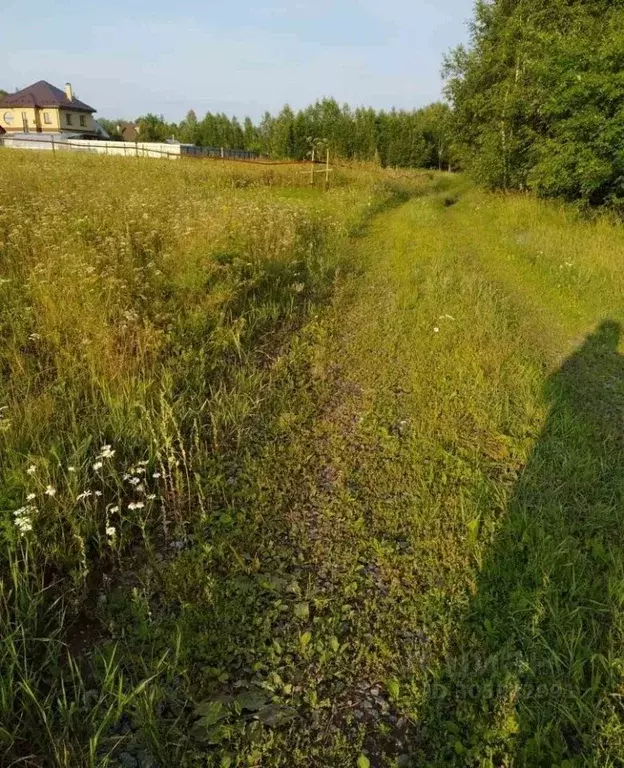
<point x="122" y="148"/>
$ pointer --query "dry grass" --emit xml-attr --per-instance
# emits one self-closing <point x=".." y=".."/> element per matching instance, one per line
<point x="141" y="307"/>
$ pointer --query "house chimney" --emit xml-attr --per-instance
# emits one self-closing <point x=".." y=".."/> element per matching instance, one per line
<point x="68" y="91"/>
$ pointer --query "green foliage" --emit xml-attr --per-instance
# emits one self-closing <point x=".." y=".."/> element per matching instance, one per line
<point x="111" y="127"/>
<point x="538" y="98"/>
<point x="416" y="139"/>
<point x="153" y="128"/>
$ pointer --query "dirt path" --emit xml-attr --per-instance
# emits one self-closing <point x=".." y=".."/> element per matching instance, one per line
<point x="429" y="525"/>
<point x="448" y="440"/>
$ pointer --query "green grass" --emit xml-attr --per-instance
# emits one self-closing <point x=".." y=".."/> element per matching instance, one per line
<point x="382" y="427"/>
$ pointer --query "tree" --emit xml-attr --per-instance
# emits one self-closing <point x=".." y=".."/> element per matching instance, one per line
<point x="189" y="128"/>
<point x="282" y="138"/>
<point x="154" y="128"/>
<point x="538" y="97"/>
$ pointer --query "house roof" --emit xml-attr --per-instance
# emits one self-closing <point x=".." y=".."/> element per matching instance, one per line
<point x="43" y="94"/>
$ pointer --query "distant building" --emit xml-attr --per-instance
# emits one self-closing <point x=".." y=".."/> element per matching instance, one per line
<point x="43" y="108"/>
<point x="128" y="131"/>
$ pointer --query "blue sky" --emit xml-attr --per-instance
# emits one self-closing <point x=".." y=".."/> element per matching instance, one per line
<point x="128" y="57"/>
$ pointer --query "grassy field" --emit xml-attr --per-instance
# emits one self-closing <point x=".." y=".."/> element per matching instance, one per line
<point x="305" y="478"/>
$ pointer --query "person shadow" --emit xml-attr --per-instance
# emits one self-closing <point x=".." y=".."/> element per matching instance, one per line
<point x="536" y="675"/>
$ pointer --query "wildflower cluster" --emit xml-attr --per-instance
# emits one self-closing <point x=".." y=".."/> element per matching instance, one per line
<point x="106" y="452"/>
<point x="24" y="518"/>
<point x="136" y="478"/>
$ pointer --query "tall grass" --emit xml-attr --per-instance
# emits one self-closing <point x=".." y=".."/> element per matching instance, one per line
<point x="142" y="305"/>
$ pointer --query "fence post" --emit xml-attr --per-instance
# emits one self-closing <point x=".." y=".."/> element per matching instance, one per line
<point x="312" y="167"/>
<point x="327" y="170"/>
<point x="222" y="154"/>
<point x="53" y="147"/>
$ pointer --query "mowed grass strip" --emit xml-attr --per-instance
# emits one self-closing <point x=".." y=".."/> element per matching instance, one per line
<point x="536" y="674"/>
<point x="449" y="535"/>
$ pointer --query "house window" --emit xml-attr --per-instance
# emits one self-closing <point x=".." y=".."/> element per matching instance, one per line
<point x="47" y="119"/>
<point x="83" y="121"/>
<point x="68" y="118"/>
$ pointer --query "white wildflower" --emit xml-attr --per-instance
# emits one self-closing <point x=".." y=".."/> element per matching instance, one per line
<point x="84" y="495"/>
<point x="114" y="509"/>
<point x="140" y="488"/>
<point x="143" y="463"/>
<point x="50" y="491"/>
<point x="436" y="330"/>
<point x="98" y="465"/>
<point x="23" y="518"/>
<point x="136" y="505"/>
<point x="106" y="452"/>
<point x="134" y="480"/>
<point x="98" y="493"/>
<point x="31" y="470"/>
<point x="31" y="496"/>
<point x="156" y="475"/>
<point x="152" y="496"/>
<point x="24" y="525"/>
<point x="71" y="469"/>
<point x="111" y="531"/>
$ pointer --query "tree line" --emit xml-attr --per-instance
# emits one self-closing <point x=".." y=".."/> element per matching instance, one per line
<point x="538" y="98"/>
<point x="535" y="101"/>
<point x="417" y="138"/>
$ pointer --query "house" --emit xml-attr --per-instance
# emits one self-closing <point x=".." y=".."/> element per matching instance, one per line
<point x="43" y="108"/>
<point x="128" y="131"/>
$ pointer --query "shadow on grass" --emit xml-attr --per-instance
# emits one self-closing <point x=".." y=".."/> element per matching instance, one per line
<point x="535" y="678"/>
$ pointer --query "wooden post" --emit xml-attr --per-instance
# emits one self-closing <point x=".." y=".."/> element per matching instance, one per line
<point x="327" y="169"/>
<point x="312" y="168"/>
<point x="53" y="147"/>
<point x="222" y="154"/>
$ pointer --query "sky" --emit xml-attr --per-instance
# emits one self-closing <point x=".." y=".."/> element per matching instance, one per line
<point x="129" y="57"/>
